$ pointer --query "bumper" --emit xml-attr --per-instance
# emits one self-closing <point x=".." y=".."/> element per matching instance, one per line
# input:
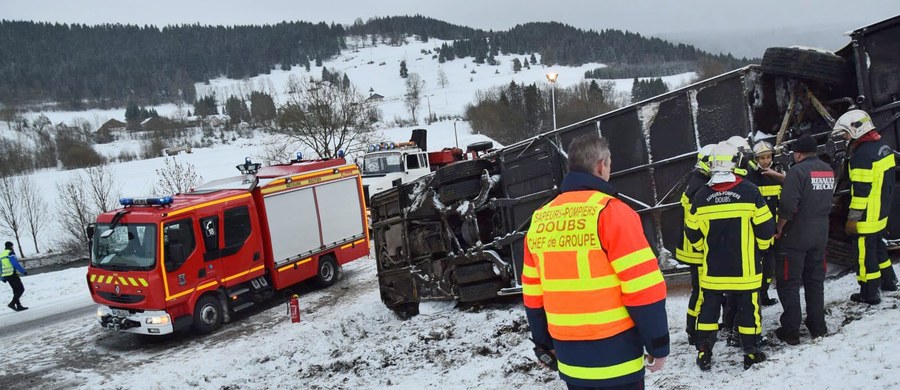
<point x="151" y="322"/>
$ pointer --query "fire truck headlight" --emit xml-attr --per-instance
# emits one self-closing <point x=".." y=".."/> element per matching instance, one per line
<point x="161" y="320"/>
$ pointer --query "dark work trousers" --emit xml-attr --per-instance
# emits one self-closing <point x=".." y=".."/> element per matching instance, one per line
<point x="888" y="276"/>
<point x="768" y="272"/>
<point x="807" y="268"/>
<point x="694" y="301"/>
<point x="868" y="274"/>
<point x="729" y="311"/>
<point x="17" y="288"/>
<point x="747" y="319"/>
<point x="639" y="385"/>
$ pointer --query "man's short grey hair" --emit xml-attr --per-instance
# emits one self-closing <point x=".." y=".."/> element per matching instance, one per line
<point x="586" y="151"/>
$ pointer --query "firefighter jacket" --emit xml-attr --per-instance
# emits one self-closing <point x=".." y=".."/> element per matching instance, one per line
<point x="806" y="203"/>
<point x="685" y="252"/>
<point x="9" y="264"/>
<point x="769" y="187"/>
<point x="872" y="181"/>
<point x="730" y="223"/>
<point x="592" y="286"/>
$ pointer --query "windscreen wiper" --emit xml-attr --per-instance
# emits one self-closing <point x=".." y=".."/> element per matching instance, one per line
<point x="115" y="222"/>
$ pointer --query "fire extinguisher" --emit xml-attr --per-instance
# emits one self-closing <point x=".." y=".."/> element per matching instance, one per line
<point x="294" y="308"/>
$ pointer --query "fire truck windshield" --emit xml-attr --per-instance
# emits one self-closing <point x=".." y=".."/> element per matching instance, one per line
<point x="125" y="247"/>
<point x="382" y="163"/>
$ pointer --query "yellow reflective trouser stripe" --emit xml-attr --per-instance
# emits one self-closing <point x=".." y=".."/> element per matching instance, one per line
<point x="529" y="271"/>
<point x="589" y="284"/>
<point x="632" y="259"/>
<point x="861" y="175"/>
<point x="598" y="318"/>
<point x="597" y="373"/>
<point x="642" y="282"/>
<point x="885" y="264"/>
<point x="863" y="275"/>
<point x="695" y="311"/>
<point x="757" y="328"/>
<point x="532" y="289"/>
<point x="707" y="327"/>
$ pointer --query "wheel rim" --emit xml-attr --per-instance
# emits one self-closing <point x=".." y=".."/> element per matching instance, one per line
<point x="209" y="315"/>
<point x="327" y="271"/>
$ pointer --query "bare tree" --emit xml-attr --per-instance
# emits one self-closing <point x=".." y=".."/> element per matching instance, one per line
<point x="414" y="87"/>
<point x="277" y="149"/>
<point x="176" y="178"/>
<point x="11" y="207"/>
<point x="34" y="210"/>
<point x="102" y="187"/>
<point x="325" y="117"/>
<point x="75" y="212"/>
<point x="442" y="77"/>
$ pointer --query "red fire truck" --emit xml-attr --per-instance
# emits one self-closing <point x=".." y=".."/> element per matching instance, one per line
<point x="164" y="263"/>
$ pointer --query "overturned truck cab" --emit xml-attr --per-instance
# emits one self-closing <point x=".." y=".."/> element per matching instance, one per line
<point x="458" y="233"/>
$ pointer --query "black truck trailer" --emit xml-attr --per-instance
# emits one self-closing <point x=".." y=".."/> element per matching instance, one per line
<point x="458" y="233"/>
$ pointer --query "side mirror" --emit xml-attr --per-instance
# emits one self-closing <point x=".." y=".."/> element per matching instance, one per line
<point x="90" y="230"/>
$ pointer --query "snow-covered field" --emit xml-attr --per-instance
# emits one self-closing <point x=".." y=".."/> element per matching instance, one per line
<point x="348" y="339"/>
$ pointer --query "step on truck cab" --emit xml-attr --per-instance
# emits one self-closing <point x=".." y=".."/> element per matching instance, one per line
<point x="160" y="264"/>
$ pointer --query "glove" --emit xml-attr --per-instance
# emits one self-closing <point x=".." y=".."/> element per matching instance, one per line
<point x="850" y="227"/>
<point x="546" y="356"/>
<point x="654" y="364"/>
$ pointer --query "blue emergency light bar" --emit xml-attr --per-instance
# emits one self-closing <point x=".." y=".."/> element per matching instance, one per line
<point x="154" y="201"/>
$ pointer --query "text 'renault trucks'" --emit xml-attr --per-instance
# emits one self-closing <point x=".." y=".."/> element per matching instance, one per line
<point x="388" y="164"/>
<point x="458" y="233"/>
<point x="161" y="264"/>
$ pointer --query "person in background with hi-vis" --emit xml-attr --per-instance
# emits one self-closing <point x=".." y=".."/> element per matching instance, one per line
<point x="802" y="234"/>
<point x="730" y="223"/>
<point x="10" y="274"/>
<point x="769" y="182"/>
<point x="872" y="165"/>
<point x="686" y="253"/>
<point x="594" y="295"/>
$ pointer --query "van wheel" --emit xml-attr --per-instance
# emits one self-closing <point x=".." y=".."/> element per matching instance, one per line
<point x="328" y="271"/>
<point x="207" y="314"/>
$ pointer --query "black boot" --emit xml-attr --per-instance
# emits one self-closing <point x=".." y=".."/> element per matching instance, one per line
<point x="889" y="283"/>
<point x="752" y="358"/>
<point x="13" y="306"/>
<point x="790" y="338"/>
<point x="868" y="293"/>
<point x="20" y="307"/>
<point x="704" y="360"/>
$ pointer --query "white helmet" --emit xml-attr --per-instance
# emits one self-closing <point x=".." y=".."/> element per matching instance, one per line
<point x="721" y="164"/>
<point x="738" y="142"/>
<point x="762" y="147"/>
<point x="703" y="157"/>
<point x="855" y="122"/>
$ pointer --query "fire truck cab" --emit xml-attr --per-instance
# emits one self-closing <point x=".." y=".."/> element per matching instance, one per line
<point x="159" y="264"/>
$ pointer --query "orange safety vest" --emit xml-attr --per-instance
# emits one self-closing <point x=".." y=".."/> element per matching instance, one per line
<point x="568" y="273"/>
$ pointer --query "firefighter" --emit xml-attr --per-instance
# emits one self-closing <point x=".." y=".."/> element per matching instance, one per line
<point x="803" y="232"/>
<point x="686" y="253"/>
<point x="769" y="182"/>
<point x="872" y="179"/>
<point x="10" y="274"/>
<point x="727" y="217"/>
<point x="595" y="298"/>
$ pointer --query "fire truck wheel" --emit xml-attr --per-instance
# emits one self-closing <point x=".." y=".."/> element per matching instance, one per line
<point x="460" y="171"/>
<point x="807" y="63"/>
<point x="207" y="314"/>
<point x="328" y="271"/>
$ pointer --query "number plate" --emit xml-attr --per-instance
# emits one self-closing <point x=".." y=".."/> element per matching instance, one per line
<point x="120" y="312"/>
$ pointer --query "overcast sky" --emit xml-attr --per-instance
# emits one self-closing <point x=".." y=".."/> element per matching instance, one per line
<point x="644" y="16"/>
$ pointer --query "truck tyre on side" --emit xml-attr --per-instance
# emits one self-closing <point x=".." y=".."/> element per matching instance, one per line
<point x="460" y="171"/>
<point x="479" y="146"/>
<point x="207" y="314"/>
<point x="807" y="64"/>
<point x="463" y="190"/>
<point x="474" y="272"/>
<point x="327" y="273"/>
<point x="480" y="291"/>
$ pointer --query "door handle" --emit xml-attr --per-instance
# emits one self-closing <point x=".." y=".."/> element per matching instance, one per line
<point x="255" y="256"/>
<point x="201" y="273"/>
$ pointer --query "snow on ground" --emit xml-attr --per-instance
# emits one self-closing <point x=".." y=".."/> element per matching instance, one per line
<point x="348" y="339"/>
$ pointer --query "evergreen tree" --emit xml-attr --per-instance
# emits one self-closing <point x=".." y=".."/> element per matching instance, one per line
<point x="345" y="83"/>
<point x="206" y="106"/>
<point x="527" y="66"/>
<point x="262" y="107"/>
<point x="318" y="61"/>
<point x="517" y="65"/>
<point x="403" y="71"/>
<point x="533" y="59"/>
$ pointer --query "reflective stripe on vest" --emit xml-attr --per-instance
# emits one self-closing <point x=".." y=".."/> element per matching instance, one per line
<point x="872" y="221"/>
<point x="7" y="267"/>
<point x="770" y="190"/>
<point x="582" y="295"/>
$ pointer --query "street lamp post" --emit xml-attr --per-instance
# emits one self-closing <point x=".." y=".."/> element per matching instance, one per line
<point x="551" y="77"/>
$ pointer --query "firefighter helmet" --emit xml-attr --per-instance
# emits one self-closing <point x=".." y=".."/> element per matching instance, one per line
<point x="703" y="157"/>
<point x="855" y="122"/>
<point x="762" y="147"/>
<point x="738" y="142"/>
<point x="721" y="163"/>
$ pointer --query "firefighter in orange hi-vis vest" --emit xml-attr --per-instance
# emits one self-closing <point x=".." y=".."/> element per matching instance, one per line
<point x="594" y="296"/>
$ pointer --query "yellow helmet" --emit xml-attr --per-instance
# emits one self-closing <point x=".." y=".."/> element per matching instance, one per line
<point x="855" y="122"/>
<point x="762" y="147"/>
